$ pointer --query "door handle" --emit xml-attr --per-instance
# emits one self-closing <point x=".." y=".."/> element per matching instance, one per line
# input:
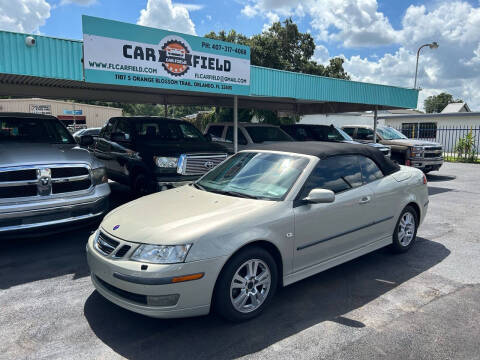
<point x="364" y="200"/>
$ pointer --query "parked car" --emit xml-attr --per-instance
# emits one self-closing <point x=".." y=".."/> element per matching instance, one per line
<point x="248" y="134"/>
<point x="155" y="153"/>
<point x="264" y="218"/>
<point x="93" y="132"/>
<point x="312" y="132"/>
<point x="424" y="155"/>
<point x="46" y="179"/>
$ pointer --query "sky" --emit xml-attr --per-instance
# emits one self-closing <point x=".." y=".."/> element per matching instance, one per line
<point x="378" y="39"/>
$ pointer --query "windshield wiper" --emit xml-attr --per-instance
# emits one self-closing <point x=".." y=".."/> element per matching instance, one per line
<point x="199" y="187"/>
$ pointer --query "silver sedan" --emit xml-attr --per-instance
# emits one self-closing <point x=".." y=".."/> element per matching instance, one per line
<point x="263" y="218"/>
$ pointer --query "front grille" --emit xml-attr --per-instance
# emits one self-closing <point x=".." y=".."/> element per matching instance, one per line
<point x="433" y="148"/>
<point x="105" y="245"/>
<point x="432" y="155"/>
<point x="122" y="251"/>
<point x="43" y="180"/>
<point x="200" y="164"/>
<point x="138" y="298"/>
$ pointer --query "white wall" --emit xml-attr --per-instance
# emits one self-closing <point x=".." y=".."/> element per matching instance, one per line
<point x="339" y="119"/>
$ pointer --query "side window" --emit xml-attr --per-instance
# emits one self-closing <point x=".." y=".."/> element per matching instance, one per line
<point x="215" y="130"/>
<point x="364" y="134"/>
<point x="370" y="170"/>
<point x="241" y="138"/>
<point x="349" y="130"/>
<point x="337" y="173"/>
<point x="107" y="130"/>
<point x="123" y="127"/>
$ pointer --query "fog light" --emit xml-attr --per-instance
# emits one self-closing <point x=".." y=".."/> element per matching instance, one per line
<point x="163" y="300"/>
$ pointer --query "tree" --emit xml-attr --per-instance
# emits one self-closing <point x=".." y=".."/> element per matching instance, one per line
<point x="436" y="103"/>
<point x="281" y="47"/>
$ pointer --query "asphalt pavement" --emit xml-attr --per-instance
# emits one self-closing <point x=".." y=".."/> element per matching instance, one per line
<point x="424" y="304"/>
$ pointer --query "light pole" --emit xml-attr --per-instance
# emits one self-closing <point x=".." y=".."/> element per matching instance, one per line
<point x="433" y="45"/>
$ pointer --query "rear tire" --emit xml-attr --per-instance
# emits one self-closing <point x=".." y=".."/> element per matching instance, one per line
<point x="405" y="232"/>
<point x="246" y="285"/>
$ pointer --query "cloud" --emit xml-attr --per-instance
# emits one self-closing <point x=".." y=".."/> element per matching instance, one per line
<point x="454" y="67"/>
<point x="355" y="23"/>
<point x="78" y="2"/>
<point x="23" y="15"/>
<point x="191" y="7"/>
<point x="164" y="14"/>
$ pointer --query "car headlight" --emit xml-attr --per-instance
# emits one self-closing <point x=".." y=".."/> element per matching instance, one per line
<point x="99" y="176"/>
<point x="161" y="254"/>
<point x="165" y="162"/>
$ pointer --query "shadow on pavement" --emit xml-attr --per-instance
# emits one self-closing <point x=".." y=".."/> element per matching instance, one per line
<point x="42" y="257"/>
<point x="324" y="297"/>
<point x="434" y="190"/>
<point x="433" y="178"/>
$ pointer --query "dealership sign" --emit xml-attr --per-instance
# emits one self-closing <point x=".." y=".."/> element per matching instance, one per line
<point x="126" y="54"/>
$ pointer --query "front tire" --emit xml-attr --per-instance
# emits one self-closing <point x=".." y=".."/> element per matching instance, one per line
<point x="246" y="285"/>
<point x="141" y="185"/>
<point x="405" y="232"/>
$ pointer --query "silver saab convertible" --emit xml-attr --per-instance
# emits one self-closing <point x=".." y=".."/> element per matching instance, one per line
<point x="263" y="218"/>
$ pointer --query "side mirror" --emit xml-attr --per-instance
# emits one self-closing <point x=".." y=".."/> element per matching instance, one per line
<point x="86" y="140"/>
<point x="369" y="137"/>
<point x="208" y="137"/>
<point x="319" y="196"/>
<point x="118" y="136"/>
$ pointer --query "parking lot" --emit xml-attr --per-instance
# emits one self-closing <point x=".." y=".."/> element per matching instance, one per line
<point x="421" y="305"/>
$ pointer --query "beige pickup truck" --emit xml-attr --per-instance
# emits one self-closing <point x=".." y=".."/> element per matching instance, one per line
<point x="424" y="155"/>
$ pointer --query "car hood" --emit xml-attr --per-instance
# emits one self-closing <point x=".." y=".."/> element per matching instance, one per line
<point x="15" y="154"/>
<point x="178" y="148"/>
<point x="181" y="215"/>
<point x="411" y="142"/>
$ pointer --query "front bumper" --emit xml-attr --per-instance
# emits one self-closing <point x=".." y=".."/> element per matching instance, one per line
<point x="194" y="297"/>
<point x="427" y="164"/>
<point x="177" y="181"/>
<point x="18" y="217"/>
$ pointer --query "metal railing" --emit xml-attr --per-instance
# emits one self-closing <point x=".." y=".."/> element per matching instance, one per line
<point x="460" y="143"/>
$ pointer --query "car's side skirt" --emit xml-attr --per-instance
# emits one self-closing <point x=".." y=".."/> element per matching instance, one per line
<point x="325" y="265"/>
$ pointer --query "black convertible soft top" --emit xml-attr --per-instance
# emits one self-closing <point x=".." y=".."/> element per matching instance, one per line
<point x="323" y="149"/>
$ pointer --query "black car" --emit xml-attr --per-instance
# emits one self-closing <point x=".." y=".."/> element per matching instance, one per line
<point x="155" y="153"/>
<point x="313" y="132"/>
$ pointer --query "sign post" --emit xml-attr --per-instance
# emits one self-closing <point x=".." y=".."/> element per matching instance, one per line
<point x="132" y="55"/>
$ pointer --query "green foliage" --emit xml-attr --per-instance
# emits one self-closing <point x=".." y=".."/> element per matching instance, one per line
<point x="465" y="148"/>
<point x="436" y="103"/>
<point x="281" y="47"/>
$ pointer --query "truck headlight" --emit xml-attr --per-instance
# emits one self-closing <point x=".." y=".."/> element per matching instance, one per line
<point x="161" y="254"/>
<point x="416" y="151"/>
<point x="99" y="176"/>
<point x="165" y="162"/>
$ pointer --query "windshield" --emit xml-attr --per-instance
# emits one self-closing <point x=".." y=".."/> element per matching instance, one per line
<point x="344" y="134"/>
<point x="32" y="130"/>
<point x="328" y="133"/>
<point x="254" y="175"/>
<point x="388" y="133"/>
<point x="162" y="130"/>
<point x="261" y="134"/>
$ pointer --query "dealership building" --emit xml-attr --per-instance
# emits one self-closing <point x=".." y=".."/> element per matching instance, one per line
<point x="69" y="112"/>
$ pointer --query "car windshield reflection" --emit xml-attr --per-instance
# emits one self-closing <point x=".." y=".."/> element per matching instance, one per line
<point x="256" y="175"/>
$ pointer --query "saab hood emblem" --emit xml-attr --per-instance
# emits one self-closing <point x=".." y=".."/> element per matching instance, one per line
<point x="116" y="227"/>
<point x="209" y="164"/>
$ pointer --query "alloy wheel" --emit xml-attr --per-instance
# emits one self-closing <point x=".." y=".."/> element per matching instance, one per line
<point x="250" y="285"/>
<point x="406" y="228"/>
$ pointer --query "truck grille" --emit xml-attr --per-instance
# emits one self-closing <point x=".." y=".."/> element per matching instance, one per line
<point x="199" y="164"/>
<point x="432" y="152"/>
<point x="43" y="180"/>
